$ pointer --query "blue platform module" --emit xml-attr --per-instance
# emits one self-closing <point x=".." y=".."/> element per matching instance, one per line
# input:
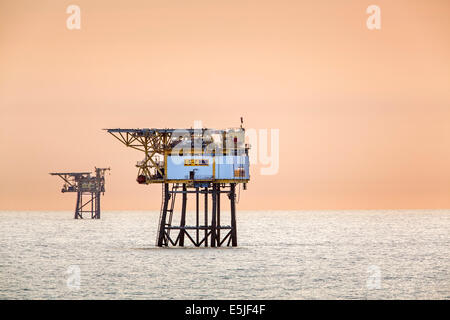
<point x="208" y="167"/>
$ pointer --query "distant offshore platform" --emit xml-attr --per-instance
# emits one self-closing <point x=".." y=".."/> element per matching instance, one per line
<point x="84" y="184"/>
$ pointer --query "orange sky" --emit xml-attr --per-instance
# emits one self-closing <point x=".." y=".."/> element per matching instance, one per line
<point x="363" y="115"/>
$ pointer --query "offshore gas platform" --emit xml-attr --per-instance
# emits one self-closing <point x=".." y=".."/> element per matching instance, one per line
<point x="84" y="184"/>
<point x="197" y="162"/>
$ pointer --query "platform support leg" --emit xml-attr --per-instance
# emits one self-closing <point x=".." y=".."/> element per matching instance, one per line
<point x="197" y="216"/>
<point x="92" y="206"/>
<point x="213" y="218"/>
<point x="162" y="226"/>
<point x="218" y="215"/>
<point x="233" y="214"/>
<point x="183" y="216"/>
<point x="206" y="217"/>
<point x="78" y="206"/>
<point x="97" y="205"/>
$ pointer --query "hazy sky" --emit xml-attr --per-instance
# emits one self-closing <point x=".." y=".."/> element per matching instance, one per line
<point x="363" y="114"/>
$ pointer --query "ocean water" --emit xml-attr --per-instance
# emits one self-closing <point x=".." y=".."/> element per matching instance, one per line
<point x="281" y="255"/>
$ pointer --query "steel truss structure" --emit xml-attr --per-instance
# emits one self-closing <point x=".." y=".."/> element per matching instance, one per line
<point x="88" y="189"/>
<point x="206" y="230"/>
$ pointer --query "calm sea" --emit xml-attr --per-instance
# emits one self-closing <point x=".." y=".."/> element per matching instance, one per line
<point x="281" y="255"/>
